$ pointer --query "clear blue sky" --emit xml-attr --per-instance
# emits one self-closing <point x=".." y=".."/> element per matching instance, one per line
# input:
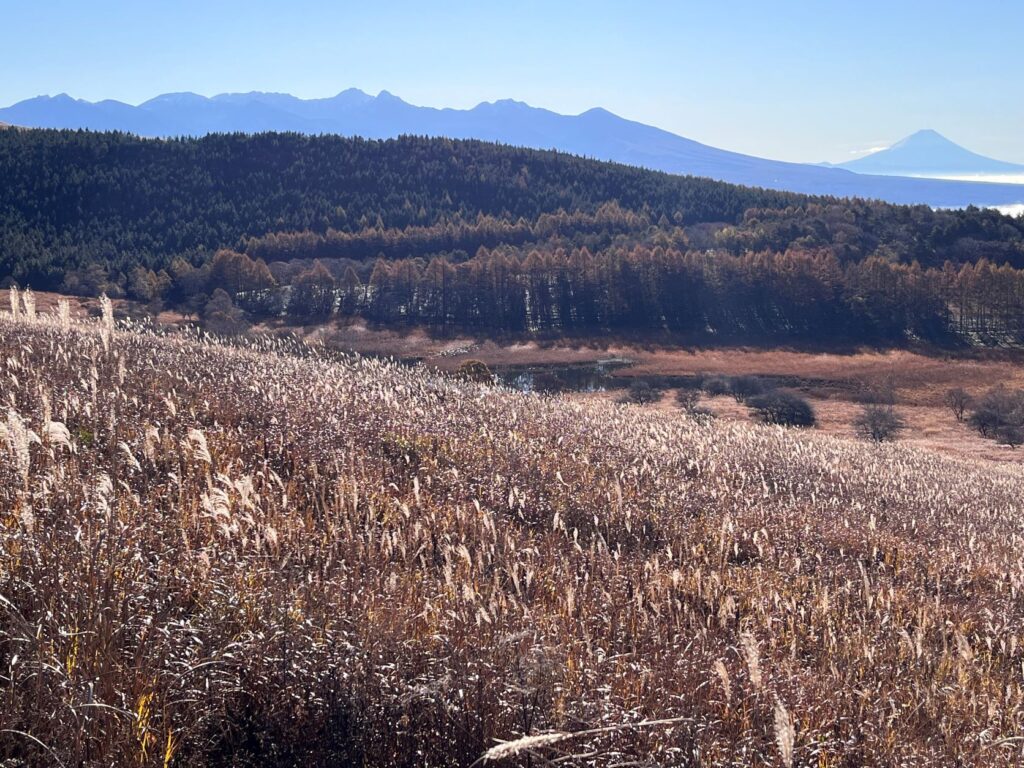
<point x="805" y="80"/>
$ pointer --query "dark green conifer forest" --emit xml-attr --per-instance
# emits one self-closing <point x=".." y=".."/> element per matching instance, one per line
<point x="471" y="236"/>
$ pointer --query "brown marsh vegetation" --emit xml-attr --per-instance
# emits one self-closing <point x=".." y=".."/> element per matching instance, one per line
<point x="261" y="554"/>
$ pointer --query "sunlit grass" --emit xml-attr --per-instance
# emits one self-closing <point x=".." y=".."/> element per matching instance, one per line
<point x="265" y="555"/>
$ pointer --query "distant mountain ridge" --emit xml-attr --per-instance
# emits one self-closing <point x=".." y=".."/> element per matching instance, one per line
<point x="595" y="133"/>
<point x="929" y="153"/>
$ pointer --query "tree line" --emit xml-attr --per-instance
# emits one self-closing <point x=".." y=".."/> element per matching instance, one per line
<point x="856" y="229"/>
<point x="72" y="200"/>
<point x="482" y="237"/>
<point x="799" y="295"/>
<point x="449" y="235"/>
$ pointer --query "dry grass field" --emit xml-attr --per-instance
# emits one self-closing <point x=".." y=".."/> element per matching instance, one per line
<point x="262" y="555"/>
<point x="834" y="382"/>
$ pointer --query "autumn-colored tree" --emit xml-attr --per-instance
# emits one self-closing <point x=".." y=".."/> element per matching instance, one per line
<point x="312" y="295"/>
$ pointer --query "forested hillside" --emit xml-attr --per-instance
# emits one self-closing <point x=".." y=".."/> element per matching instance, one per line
<point x="477" y="236"/>
<point x="74" y="198"/>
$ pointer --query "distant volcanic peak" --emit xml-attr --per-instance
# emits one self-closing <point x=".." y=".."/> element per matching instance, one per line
<point x="929" y="139"/>
<point x="928" y="152"/>
<point x="925" y="134"/>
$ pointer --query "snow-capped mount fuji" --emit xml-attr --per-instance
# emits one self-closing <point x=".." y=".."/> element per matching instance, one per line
<point x="929" y="153"/>
<point x="596" y="133"/>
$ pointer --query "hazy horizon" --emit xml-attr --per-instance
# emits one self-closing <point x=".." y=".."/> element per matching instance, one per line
<point x="994" y="178"/>
<point x="800" y="82"/>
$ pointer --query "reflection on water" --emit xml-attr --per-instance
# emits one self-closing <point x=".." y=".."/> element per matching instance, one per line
<point x="579" y="377"/>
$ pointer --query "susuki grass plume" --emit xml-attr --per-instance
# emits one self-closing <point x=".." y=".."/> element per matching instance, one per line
<point x="267" y="554"/>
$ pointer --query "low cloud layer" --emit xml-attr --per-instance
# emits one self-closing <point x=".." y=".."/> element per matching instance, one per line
<point x="868" y="151"/>
<point x="992" y="178"/>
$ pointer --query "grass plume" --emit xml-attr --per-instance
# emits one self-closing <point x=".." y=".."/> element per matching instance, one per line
<point x="268" y="555"/>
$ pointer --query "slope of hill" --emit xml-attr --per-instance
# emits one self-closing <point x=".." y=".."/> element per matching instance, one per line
<point x="72" y="199"/>
<point x="928" y="153"/>
<point x="596" y="133"/>
<point x="407" y="231"/>
<point x="257" y="556"/>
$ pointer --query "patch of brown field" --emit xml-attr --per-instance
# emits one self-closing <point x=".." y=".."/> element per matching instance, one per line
<point x="415" y="343"/>
<point x="81" y="306"/>
<point x="86" y="306"/>
<point x="930" y="427"/>
<point x="833" y="382"/>
<point x="540" y="353"/>
<point x="918" y="378"/>
<point x="448" y="352"/>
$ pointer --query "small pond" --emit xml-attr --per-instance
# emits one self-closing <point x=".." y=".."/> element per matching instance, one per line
<point x="571" y="377"/>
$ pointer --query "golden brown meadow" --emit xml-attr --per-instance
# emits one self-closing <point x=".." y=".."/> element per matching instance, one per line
<point x="263" y="554"/>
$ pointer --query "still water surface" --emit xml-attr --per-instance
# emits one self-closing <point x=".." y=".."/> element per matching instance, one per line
<point x="579" y="377"/>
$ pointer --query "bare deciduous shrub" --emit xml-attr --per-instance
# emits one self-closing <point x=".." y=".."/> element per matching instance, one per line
<point x="879" y="423"/>
<point x="745" y="387"/>
<point x="702" y="415"/>
<point x="716" y="385"/>
<point x="222" y="317"/>
<point x="1010" y="434"/>
<point x="688" y="399"/>
<point x="958" y="401"/>
<point x="476" y="371"/>
<point x="998" y="411"/>
<point x="641" y="392"/>
<point x="784" y="408"/>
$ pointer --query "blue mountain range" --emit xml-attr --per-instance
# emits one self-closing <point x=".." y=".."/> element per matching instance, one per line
<point x="596" y="133"/>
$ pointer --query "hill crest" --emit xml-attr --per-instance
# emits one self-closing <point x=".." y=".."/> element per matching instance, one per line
<point x="595" y="133"/>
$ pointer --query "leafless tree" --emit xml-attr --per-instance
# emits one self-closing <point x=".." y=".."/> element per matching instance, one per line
<point x="958" y="401"/>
